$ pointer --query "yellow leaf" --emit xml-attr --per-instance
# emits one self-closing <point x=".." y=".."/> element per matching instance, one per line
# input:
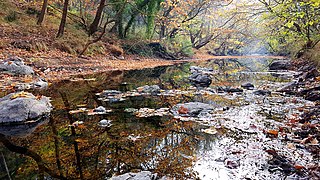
<point x="21" y="94"/>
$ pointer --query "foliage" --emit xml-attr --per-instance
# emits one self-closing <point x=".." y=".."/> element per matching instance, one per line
<point x="293" y="21"/>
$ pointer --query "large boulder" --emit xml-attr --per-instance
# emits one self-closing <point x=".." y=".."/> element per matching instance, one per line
<point x="143" y="175"/>
<point x="18" y="108"/>
<point x="280" y="65"/>
<point x="15" y="65"/>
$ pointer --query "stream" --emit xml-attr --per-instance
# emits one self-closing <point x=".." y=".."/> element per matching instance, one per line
<point x="247" y="134"/>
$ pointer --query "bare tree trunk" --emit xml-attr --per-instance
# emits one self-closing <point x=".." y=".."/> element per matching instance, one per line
<point x="63" y="18"/>
<point x="43" y="12"/>
<point x="94" y="26"/>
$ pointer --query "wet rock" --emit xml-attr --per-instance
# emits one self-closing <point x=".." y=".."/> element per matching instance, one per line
<point x="16" y="66"/>
<point x="289" y="88"/>
<point x="100" y="109"/>
<point x="192" y="109"/>
<point x="109" y="93"/>
<point x="200" y="80"/>
<point x="229" y="89"/>
<point x="248" y="86"/>
<point x="232" y="163"/>
<point x="21" y="129"/>
<point x="262" y="92"/>
<point x="309" y="75"/>
<point x="280" y="65"/>
<point x="279" y="162"/>
<point x="154" y="89"/>
<point x="21" y="107"/>
<point x="313" y="96"/>
<point x="200" y="76"/>
<point x="105" y="123"/>
<point x="143" y="175"/>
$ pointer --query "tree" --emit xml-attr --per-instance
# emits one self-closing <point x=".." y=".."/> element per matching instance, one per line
<point x="293" y="21"/>
<point x="63" y="18"/>
<point x="94" y="26"/>
<point x="43" y="12"/>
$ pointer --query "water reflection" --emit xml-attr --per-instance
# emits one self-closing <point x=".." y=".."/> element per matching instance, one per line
<point x="164" y="145"/>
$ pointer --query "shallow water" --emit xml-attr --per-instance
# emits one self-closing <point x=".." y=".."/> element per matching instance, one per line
<point x="227" y="144"/>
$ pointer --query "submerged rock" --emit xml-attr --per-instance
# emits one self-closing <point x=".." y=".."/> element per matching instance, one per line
<point x="262" y="92"/>
<point x="143" y="175"/>
<point x="280" y="65"/>
<point x="21" y="107"/>
<point x="192" y="109"/>
<point x="229" y="90"/>
<point x="248" y="86"/>
<point x="21" y="129"/>
<point x="16" y="66"/>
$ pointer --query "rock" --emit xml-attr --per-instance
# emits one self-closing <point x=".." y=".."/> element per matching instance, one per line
<point x="280" y="65"/>
<point x="313" y="96"/>
<point x="113" y="58"/>
<point x="309" y="75"/>
<point x="16" y="66"/>
<point x="200" y="69"/>
<point x="229" y="89"/>
<point x="154" y="89"/>
<point x="41" y="84"/>
<point x="200" y="80"/>
<point x="232" y="163"/>
<point x="100" y="109"/>
<point x="248" y="86"/>
<point x="21" y="129"/>
<point x="121" y="57"/>
<point x="106" y="93"/>
<point x="192" y="109"/>
<point x="105" y="123"/>
<point x="262" y="92"/>
<point x="200" y="76"/>
<point x="143" y="175"/>
<point x="289" y="88"/>
<point x="21" y="107"/>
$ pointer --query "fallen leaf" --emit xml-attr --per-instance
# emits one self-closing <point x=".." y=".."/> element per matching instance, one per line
<point x="298" y="167"/>
<point x="183" y="110"/>
<point x="273" y="132"/>
<point x="21" y="94"/>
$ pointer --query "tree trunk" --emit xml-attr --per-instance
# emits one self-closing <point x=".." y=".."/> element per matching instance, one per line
<point x="63" y="18"/>
<point x="94" y="26"/>
<point x="43" y="12"/>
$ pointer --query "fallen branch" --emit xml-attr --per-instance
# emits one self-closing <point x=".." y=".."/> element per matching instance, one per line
<point x="95" y="40"/>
